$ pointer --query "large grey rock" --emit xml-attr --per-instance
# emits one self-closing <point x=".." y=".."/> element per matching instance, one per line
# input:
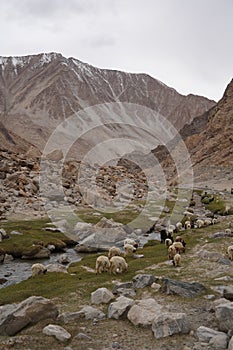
<point x="126" y="292"/>
<point x="57" y="331"/>
<point x="167" y="324"/>
<point x="184" y="289"/>
<point x="205" y="334"/>
<point x="81" y="229"/>
<point x="143" y="280"/>
<point x="120" y="307"/>
<point x="56" y="268"/>
<point x="104" y="234"/>
<point x="230" y="345"/>
<point x="224" y="316"/>
<point x="14" y="317"/>
<point x="144" y="311"/>
<point x="91" y="313"/>
<point x="126" y="289"/>
<point x="40" y="253"/>
<point x="83" y="248"/>
<point x="101" y="295"/>
<point x="219" y="341"/>
<point x="67" y="317"/>
<point x="123" y="285"/>
<point x="87" y="312"/>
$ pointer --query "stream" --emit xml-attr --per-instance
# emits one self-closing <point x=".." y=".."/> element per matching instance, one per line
<point x="18" y="270"/>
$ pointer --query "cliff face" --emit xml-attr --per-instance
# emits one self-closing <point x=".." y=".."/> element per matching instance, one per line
<point x="209" y="140"/>
<point x="214" y="146"/>
<point x="38" y="92"/>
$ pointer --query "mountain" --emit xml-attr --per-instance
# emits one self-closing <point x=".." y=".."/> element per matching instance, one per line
<point x="214" y="145"/>
<point x="209" y="141"/>
<point x="39" y="92"/>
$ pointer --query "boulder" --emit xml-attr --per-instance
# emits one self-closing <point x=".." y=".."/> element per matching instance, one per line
<point x="107" y="223"/>
<point x="224" y="316"/>
<point x="219" y="341"/>
<point x="56" y="268"/>
<point x="205" y="334"/>
<point x="144" y="311"/>
<point x="167" y="324"/>
<point x="125" y="288"/>
<point x="87" y="312"/>
<point x="37" y="252"/>
<point x="143" y="280"/>
<point x="64" y="259"/>
<point x="67" y="317"/>
<point x="92" y="313"/>
<point x="83" y="248"/>
<point x="120" y="307"/>
<point x="184" y="289"/>
<point x="82" y="226"/>
<point x="57" y="331"/>
<point x="101" y="296"/>
<point x="14" y="317"/>
<point x="123" y="285"/>
<point x="230" y="345"/>
<point x="105" y="233"/>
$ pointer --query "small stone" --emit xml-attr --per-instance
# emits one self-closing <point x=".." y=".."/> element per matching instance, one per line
<point x="58" y="332"/>
<point x="156" y="286"/>
<point x="82" y="336"/>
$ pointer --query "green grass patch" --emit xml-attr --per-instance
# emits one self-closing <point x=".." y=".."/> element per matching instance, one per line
<point x="31" y="233"/>
<point x="216" y="204"/>
<point x="124" y="216"/>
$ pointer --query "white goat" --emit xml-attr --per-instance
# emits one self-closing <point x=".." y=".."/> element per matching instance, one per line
<point x="230" y="252"/>
<point x="114" y="251"/>
<point x="38" y="269"/>
<point x="129" y="249"/>
<point x="131" y="241"/>
<point x="102" y="264"/>
<point x="118" y="264"/>
<point x="176" y="260"/>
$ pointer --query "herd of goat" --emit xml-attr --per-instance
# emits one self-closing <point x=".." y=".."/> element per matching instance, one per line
<point x="115" y="262"/>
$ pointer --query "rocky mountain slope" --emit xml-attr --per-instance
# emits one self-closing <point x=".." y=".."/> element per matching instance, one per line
<point x="209" y="140"/>
<point x="38" y="92"/>
<point x="214" y="144"/>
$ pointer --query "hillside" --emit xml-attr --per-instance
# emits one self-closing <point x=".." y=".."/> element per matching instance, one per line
<point x="214" y="144"/>
<point x="209" y="140"/>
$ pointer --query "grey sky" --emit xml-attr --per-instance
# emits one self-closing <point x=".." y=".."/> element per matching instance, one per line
<point x="187" y="44"/>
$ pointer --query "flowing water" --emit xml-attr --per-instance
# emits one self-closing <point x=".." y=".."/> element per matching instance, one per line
<point x="18" y="270"/>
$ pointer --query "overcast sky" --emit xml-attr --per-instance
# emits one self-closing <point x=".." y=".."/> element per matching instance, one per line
<point x="187" y="44"/>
